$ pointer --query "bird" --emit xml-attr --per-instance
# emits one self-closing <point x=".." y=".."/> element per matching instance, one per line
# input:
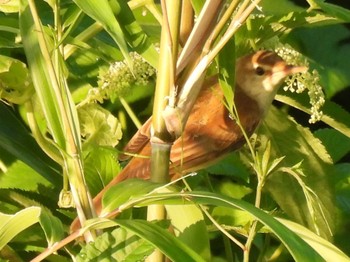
<point x="211" y="132"/>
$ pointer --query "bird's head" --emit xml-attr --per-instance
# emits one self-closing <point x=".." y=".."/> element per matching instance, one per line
<point x="260" y="74"/>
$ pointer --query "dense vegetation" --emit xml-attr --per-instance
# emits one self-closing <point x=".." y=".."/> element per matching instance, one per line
<point x="77" y="78"/>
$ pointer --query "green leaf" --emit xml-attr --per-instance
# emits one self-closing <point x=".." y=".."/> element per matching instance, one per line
<point x="135" y="35"/>
<point x="335" y="11"/>
<point x="21" y="176"/>
<point x="337" y="144"/>
<point x="231" y="166"/>
<point x="123" y="191"/>
<point x="102" y="13"/>
<point x="332" y="69"/>
<point x="119" y="245"/>
<point x="15" y="83"/>
<point x="10" y="6"/>
<point x="298" y="145"/>
<point x="333" y="115"/>
<point x="12" y="225"/>
<point x="42" y="74"/>
<point x="227" y="64"/>
<point x="99" y="126"/>
<point x="100" y="167"/>
<point x="193" y="230"/>
<point x="52" y="226"/>
<point x="327" y="250"/>
<point x="168" y="244"/>
<point x="16" y="140"/>
<point x="299" y="249"/>
<point x="232" y="217"/>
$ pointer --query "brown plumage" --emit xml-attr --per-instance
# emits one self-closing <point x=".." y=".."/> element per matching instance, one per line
<point x="211" y="132"/>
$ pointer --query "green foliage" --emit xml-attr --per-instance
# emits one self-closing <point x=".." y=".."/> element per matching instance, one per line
<point x="11" y="225"/>
<point x="73" y="74"/>
<point x="107" y="247"/>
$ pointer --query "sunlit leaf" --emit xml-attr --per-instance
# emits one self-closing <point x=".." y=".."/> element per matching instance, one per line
<point x="52" y="226"/>
<point x="326" y="249"/>
<point x="11" y="225"/>
<point x="21" y="176"/>
<point x="162" y="239"/>
<point x="15" y="83"/>
<point x="298" y="145"/>
<point x="101" y="12"/>
<point x="99" y="126"/>
<point x="23" y="146"/>
<point x="100" y="167"/>
<point x="119" y="245"/>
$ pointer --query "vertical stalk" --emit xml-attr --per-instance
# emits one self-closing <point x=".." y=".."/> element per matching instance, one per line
<point x="60" y="114"/>
<point x="161" y="139"/>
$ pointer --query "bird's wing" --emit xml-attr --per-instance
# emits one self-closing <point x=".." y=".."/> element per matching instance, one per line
<point x="137" y="142"/>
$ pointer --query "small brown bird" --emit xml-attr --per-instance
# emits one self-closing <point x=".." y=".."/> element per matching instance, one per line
<point x="211" y="132"/>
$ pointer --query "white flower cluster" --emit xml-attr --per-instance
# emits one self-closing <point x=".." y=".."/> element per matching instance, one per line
<point x="119" y="79"/>
<point x="302" y="81"/>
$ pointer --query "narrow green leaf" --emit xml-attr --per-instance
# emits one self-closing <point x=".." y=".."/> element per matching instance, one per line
<point x="227" y="64"/>
<point x="16" y="140"/>
<point x="168" y="244"/>
<point x="135" y="35"/>
<point x="298" y="248"/>
<point x="52" y="226"/>
<point x="326" y="249"/>
<point x="120" y="193"/>
<point x="102" y="13"/>
<point x="12" y="225"/>
<point x="40" y="72"/>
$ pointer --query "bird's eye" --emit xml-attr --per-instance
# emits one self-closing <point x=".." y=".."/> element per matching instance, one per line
<point x="259" y="71"/>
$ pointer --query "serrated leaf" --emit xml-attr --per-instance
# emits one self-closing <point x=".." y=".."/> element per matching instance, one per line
<point x="337" y="144"/>
<point x="335" y="11"/>
<point x="333" y="115"/>
<point x="11" y="225"/>
<point x="99" y="126"/>
<point x="298" y="144"/>
<point x="21" y="176"/>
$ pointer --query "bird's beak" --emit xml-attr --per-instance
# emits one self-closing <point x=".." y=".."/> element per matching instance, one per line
<point x="290" y="69"/>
